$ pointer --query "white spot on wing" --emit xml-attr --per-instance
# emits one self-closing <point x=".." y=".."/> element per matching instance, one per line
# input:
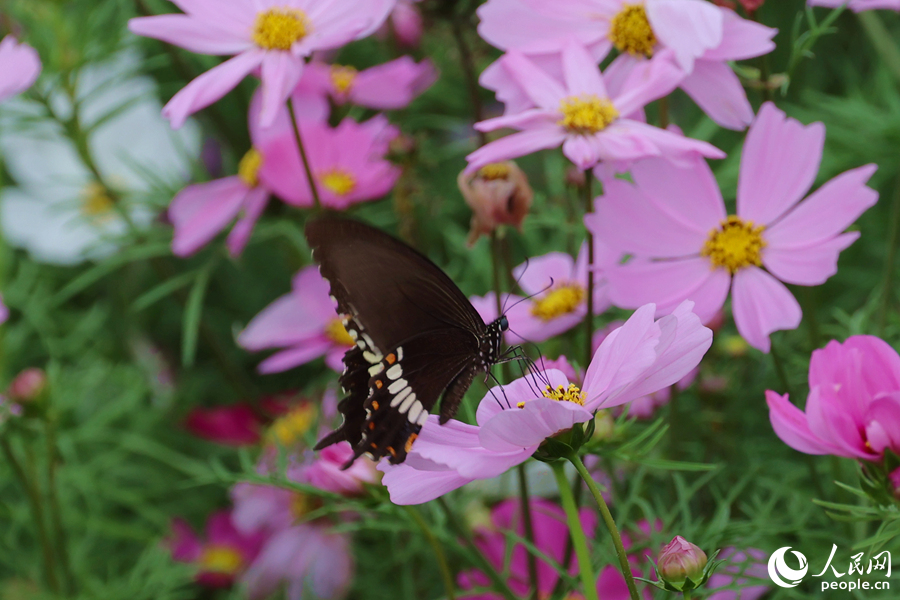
<point x="395" y="372"/>
<point x="408" y="403"/>
<point x="376" y="369"/>
<point x="397" y="386"/>
<point x="399" y="397"/>
<point x="415" y="411"/>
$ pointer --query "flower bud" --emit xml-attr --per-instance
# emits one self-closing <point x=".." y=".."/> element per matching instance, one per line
<point x="751" y="6"/>
<point x="894" y="478"/>
<point x="680" y="560"/>
<point x="28" y="385"/>
<point x="497" y="193"/>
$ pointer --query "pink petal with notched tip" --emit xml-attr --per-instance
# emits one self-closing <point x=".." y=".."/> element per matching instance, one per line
<point x="761" y="304"/>
<point x="669" y="283"/>
<point x="418" y="480"/>
<point x="200" y="211"/>
<point x="393" y="85"/>
<point x="516" y="145"/>
<point x="741" y="39"/>
<point x="826" y="213"/>
<point x="779" y="163"/>
<point x="718" y="91"/>
<point x="688" y="27"/>
<point x="254" y="205"/>
<point x="513" y="24"/>
<point x="790" y="424"/>
<point x="191" y="33"/>
<point x="211" y="86"/>
<point x="811" y="265"/>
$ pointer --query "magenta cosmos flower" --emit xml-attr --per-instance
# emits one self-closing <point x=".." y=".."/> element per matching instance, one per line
<point x="347" y="162"/>
<point x="222" y="556"/>
<point x="858" y="5"/>
<point x="235" y="425"/>
<point x="274" y="36"/>
<point x="200" y="211"/>
<point x="19" y="67"/>
<point x="702" y="37"/>
<point x="580" y="115"/>
<point x="551" y="535"/>
<point x="672" y="220"/>
<point x="640" y="358"/>
<point x="853" y="407"/>
<point x="390" y="86"/>
<point x="302" y="321"/>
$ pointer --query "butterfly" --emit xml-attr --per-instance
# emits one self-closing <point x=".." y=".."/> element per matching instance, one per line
<point x="416" y="337"/>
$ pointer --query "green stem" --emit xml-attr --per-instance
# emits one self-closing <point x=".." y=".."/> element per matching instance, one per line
<point x="610" y="524"/>
<point x="664" y="112"/>
<point x="780" y="370"/>
<point x="579" y="541"/>
<point x="525" y="506"/>
<point x="882" y="40"/>
<point x="59" y="531"/>
<point x="589" y="316"/>
<point x="889" y="261"/>
<point x="446" y="573"/>
<point x="309" y="174"/>
<point x="687" y="595"/>
<point x="37" y="514"/>
<point x="475" y="555"/>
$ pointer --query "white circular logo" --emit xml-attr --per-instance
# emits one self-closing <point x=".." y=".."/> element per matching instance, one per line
<point x="782" y="574"/>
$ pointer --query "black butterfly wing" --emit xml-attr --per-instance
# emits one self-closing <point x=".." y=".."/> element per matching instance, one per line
<point x="416" y="335"/>
<point x="393" y="291"/>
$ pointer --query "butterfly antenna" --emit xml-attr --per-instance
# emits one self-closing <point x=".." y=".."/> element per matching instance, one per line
<point x="516" y="285"/>
<point x="530" y="296"/>
<point x="502" y="391"/>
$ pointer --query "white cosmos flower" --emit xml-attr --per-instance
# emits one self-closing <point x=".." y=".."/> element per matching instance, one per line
<point x="59" y="212"/>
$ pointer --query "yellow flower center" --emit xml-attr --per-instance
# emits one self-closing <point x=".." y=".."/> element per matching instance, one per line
<point x="289" y="429"/>
<point x="735" y="244"/>
<point x="96" y="201"/>
<point x="494" y="171"/>
<point x="221" y="559"/>
<point x="587" y="114"/>
<point x="571" y="394"/>
<point x="630" y="31"/>
<point x="279" y="28"/>
<point x="248" y="168"/>
<point x="337" y="333"/>
<point x="561" y="300"/>
<point x="342" y="78"/>
<point x="338" y="181"/>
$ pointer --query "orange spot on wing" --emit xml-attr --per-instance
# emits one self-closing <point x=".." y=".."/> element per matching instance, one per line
<point x="409" y="441"/>
<point x="391" y="358"/>
<point x="379" y="385"/>
<point x="374" y="404"/>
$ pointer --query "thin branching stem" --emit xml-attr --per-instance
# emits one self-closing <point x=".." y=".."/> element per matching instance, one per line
<point x="443" y="566"/>
<point x="317" y="202"/>
<point x="579" y="541"/>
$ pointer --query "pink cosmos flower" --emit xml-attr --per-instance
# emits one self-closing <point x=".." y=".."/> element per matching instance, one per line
<point x="235" y="425"/>
<point x="551" y="534"/>
<point x="19" y="67"/>
<point x="639" y="358"/>
<point x="273" y="37"/>
<point x="304" y="322"/>
<point x="222" y="556"/>
<point x="390" y="86"/>
<point x="858" y="5"/>
<point x="325" y="471"/>
<point x="853" y="407"/>
<point x="744" y="570"/>
<point x="347" y="162"/>
<point x="581" y="116"/>
<point x="672" y="220"/>
<point x="702" y="38"/>
<point x="200" y="211"/>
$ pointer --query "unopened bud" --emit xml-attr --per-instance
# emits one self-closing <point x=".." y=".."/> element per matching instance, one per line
<point x="28" y="385"/>
<point x="680" y="560"/>
<point x="497" y="193"/>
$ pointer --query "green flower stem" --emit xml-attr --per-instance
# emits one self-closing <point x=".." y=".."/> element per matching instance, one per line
<point x="579" y="541"/>
<point x="889" y="261"/>
<point x="446" y="573"/>
<point x="610" y="524"/>
<point x="59" y="531"/>
<point x="687" y="595"/>
<point x="309" y="174"/>
<point x="37" y="513"/>
<point x="589" y="317"/>
<point x="525" y="506"/>
<point x="475" y="555"/>
<point x="882" y="40"/>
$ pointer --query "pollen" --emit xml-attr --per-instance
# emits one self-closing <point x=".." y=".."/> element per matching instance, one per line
<point x="571" y="394"/>
<point x="559" y="301"/>
<point x="342" y="78"/>
<point x="735" y="244"/>
<point x="218" y="558"/>
<point x="289" y="429"/>
<point x="586" y="114"/>
<point x="96" y="201"/>
<point x="494" y="171"/>
<point x="337" y="333"/>
<point x="248" y="168"/>
<point x="630" y="31"/>
<point x="279" y="28"/>
<point x="338" y="181"/>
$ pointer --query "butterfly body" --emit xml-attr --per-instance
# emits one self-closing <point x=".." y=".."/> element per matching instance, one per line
<point x="417" y="337"/>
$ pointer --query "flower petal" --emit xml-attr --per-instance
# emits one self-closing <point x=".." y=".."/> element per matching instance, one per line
<point x="689" y="27"/>
<point x="581" y="73"/>
<point x="761" y="305"/>
<point x="515" y="145"/>
<point x="254" y="205"/>
<point x="716" y="89"/>
<point x="191" y="33"/>
<point x="530" y="425"/>
<point x="544" y="90"/>
<point x="200" y="211"/>
<point x="741" y="39"/>
<point x="778" y="165"/>
<point x="812" y="265"/>
<point x="790" y="424"/>
<point x="280" y="73"/>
